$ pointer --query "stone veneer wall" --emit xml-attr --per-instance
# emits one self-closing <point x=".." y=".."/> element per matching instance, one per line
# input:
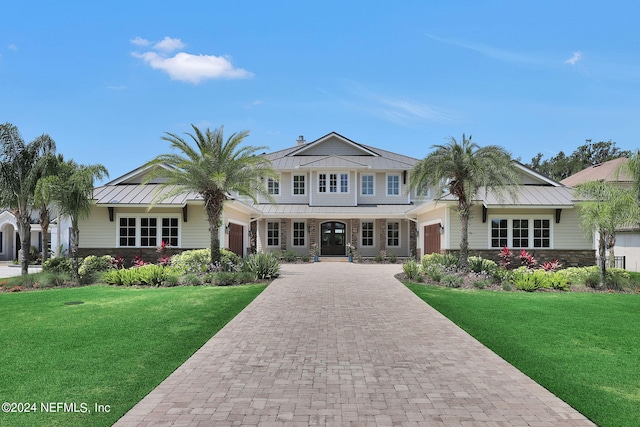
<point x="568" y="258"/>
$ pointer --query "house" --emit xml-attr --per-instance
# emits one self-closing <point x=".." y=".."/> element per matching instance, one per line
<point x="332" y="192"/>
<point x="627" y="247"/>
<point x="10" y="241"/>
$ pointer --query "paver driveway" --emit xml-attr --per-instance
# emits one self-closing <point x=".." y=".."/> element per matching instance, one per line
<point x="340" y="343"/>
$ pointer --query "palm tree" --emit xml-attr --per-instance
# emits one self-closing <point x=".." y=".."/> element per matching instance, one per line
<point x="214" y="168"/>
<point x="632" y="167"/>
<point x="606" y="208"/>
<point x="71" y="191"/>
<point x="464" y="167"/>
<point x="21" y="165"/>
<point x="43" y="200"/>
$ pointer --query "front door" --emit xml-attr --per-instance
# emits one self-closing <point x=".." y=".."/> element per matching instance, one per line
<point x="333" y="238"/>
<point x="432" y="239"/>
<point x="236" y="235"/>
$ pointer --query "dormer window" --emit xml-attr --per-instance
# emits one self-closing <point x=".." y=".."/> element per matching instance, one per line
<point x="273" y="187"/>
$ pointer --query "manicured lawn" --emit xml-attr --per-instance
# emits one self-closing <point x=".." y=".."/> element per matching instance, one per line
<point x="583" y="347"/>
<point x="111" y="350"/>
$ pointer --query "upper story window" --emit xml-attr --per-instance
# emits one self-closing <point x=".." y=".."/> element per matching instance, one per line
<point x="333" y="183"/>
<point x="393" y="185"/>
<point x="298" y="185"/>
<point x="273" y="186"/>
<point x="367" y="185"/>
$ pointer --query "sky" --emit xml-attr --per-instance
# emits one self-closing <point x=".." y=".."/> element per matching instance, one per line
<point x="107" y="80"/>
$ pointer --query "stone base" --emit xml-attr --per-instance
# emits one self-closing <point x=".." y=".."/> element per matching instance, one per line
<point x="566" y="257"/>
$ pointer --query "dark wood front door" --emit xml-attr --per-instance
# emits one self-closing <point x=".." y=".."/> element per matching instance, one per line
<point x="333" y="238"/>
<point x="236" y="243"/>
<point x="432" y="239"/>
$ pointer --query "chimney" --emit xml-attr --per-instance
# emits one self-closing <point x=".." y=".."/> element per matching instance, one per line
<point x="301" y="140"/>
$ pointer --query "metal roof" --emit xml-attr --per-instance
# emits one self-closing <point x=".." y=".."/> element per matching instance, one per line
<point x="525" y="196"/>
<point x="136" y="194"/>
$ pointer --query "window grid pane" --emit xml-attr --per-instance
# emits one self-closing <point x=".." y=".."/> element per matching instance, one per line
<point x="393" y="234"/>
<point x="298" y="185"/>
<point x="127" y="232"/>
<point x="393" y="185"/>
<point x="344" y="183"/>
<point x="322" y="183"/>
<point x="273" y="234"/>
<point x="273" y="186"/>
<point x="367" y="185"/>
<point x="148" y="232"/>
<point x="520" y="233"/>
<point x="333" y="183"/>
<point x="498" y="233"/>
<point x="367" y="234"/>
<point x="541" y="233"/>
<point x="298" y="234"/>
<point x="170" y="231"/>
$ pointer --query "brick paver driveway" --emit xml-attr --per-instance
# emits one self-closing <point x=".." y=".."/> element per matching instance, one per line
<point x="346" y="344"/>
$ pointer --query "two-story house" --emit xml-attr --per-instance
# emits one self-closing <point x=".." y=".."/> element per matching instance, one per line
<point x="331" y="193"/>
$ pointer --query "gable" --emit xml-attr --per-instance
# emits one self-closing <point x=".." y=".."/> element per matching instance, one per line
<point x="137" y="176"/>
<point x="333" y="144"/>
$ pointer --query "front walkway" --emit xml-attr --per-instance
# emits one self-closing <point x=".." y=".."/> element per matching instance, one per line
<point x="339" y="343"/>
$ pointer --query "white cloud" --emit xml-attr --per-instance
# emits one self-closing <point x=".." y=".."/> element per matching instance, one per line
<point x="169" y="45"/>
<point x="577" y="56"/>
<point x="12" y="47"/>
<point x="139" y="41"/>
<point x="194" y="68"/>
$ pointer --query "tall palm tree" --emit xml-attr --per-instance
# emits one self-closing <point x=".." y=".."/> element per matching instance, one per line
<point x="463" y="168"/>
<point x="606" y="208"/>
<point x="213" y="168"/>
<point x="632" y="167"/>
<point x="21" y="165"/>
<point x="43" y="200"/>
<point x="71" y="191"/>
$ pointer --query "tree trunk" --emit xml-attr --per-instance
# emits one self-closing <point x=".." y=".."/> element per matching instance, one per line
<point x="24" y="231"/>
<point x="74" y="238"/>
<point x="602" y="252"/>
<point x="611" y="242"/>
<point x="44" y="225"/>
<point x="213" y="205"/>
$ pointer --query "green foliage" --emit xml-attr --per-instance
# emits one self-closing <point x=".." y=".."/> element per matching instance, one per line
<point x="617" y="279"/>
<point x="289" y="255"/>
<point x="530" y="280"/>
<point x="578" y="275"/>
<point x="433" y="272"/>
<point x="557" y="281"/>
<point x="482" y="283"/>
<point x="452" y="281"/>
<point x="380" y="257"/>
<point x="171" y="279"/>
<point x="59" y="264"/>
<point x="229" y="261"/>
<point x="411" y="269"/>
<point x="151" y="275"/>
<point x="478" y="264"/>
<point x="506" y="286"/>
<point x="93" y="264"/>
<point x="262" y="265"/>
<point x="592" y="280"/>
<point x="392" y="258"/>
<point x="112" y="277"/>
<point x="225" y="279"/>
<point x="445" y="260"/>
<point x="194" y="261"/>
<point x="191" y="279"/>
<point x="305" y="258"/>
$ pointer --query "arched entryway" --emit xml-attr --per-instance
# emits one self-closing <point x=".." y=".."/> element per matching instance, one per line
<point x="333" y="238"/>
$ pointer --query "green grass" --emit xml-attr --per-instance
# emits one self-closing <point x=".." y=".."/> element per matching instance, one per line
<point x="111" y="350"/>
<point x="583" y="347"/>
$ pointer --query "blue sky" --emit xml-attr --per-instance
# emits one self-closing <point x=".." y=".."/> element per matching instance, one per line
<point x="106" y="80"/>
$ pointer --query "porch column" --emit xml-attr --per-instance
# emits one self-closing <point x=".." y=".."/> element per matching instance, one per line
<point x="355" y="230"/>
<point x="283" y="234"/>
<point x="413" y="239"/>
<point x="313" y="236"/>
<point x="383" y="234"/>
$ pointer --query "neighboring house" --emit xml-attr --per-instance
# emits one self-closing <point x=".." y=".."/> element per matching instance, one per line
<point x="332" y="192"/>
<point x="627" y="247"/>
<point x="10" y="241"/>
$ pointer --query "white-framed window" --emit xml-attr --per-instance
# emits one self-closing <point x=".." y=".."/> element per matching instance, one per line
<point x="368" y="185"/>
<point x="393" y="234"/>
<point x="393" y="185"/>
<point x="299" y="231"/>
<point x="273" y="234"/>
<point x="367" y="233"/>
<point x="148" y="231"/>
<point x="520" y="232"/>
<point x="273" y="186"/>
<point x="333" y="183"/>
<point x="299" y="185"/>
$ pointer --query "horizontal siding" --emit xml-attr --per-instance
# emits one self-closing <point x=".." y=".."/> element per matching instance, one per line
<point x="97" y="231"/>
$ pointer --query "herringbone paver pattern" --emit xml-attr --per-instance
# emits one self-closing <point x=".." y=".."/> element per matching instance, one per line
<point x="346" y="344"/>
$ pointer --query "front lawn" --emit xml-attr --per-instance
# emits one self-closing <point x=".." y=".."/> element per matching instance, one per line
<point x="101" y="345"/>
<point x="583" y="347"/>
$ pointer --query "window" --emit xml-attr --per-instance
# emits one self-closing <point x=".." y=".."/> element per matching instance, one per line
<point x="273" y="186"/>
<point x="298" y="234"/>
<point x="148" y="231"/>
<point x="170" y="231"/>
<point x="273" y="234"/>
<point x="541" y="233"/>
<point x="367" y="185"/>
<point x="127" y="232"/>
<point x="520" y="233"/>
<point x="337" y="183"/>
<point x="393" y="185"/>
<point x="393" y="234"/>
<point x="298" y="185"/>
<point x="367" y="234"/>
<point x="499" y="233"/>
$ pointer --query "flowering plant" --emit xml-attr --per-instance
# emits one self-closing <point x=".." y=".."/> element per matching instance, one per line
<point x="314" y="250"/>
<point x="351" y="249"/>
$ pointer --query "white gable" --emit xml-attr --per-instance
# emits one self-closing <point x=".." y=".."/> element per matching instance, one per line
<point x="333" y="144"/>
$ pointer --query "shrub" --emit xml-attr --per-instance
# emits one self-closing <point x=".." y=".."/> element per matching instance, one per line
<point x="191" y="279"/>
<point x="411" y="269"/>
<point x="445" y="260"/>
<point x="592" y="280"/>
<point x="506" y="257"/>
<point x="53" y="279"/>
<point x="506" y="286"/>
<point x="578" y="275"/>
<point x="617" y="279"/>
<point x="305" y="258"/>
<point x="129" y="277"/>
<point x="93" y="264"/>
<point x="151" y="275"/>
<point x="482" y="283"/>
<point x="551" y="265"/>
<point x="557" y="281"/>
<point x="57" y="265"/>
<point x="262" y="265"/>
<point x="229" y="261"/>
<point x="244" y="277"/>
<point x="434" y="272"/>
<point x="117" y="262"/>
<point x="527" y="260"/>
<point x="527" y="280"/>
<point x="289" y="255"/>
<point x="452" y="281"/>
<point x="225" y="278"/>
<point x="171" y="279"/>
<point x="380" y="257"/>
<point x="112" y="277"/>
<point x="392" y="258"/>
<point x="478" y="264"/>
<point x="195" y="261"/>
